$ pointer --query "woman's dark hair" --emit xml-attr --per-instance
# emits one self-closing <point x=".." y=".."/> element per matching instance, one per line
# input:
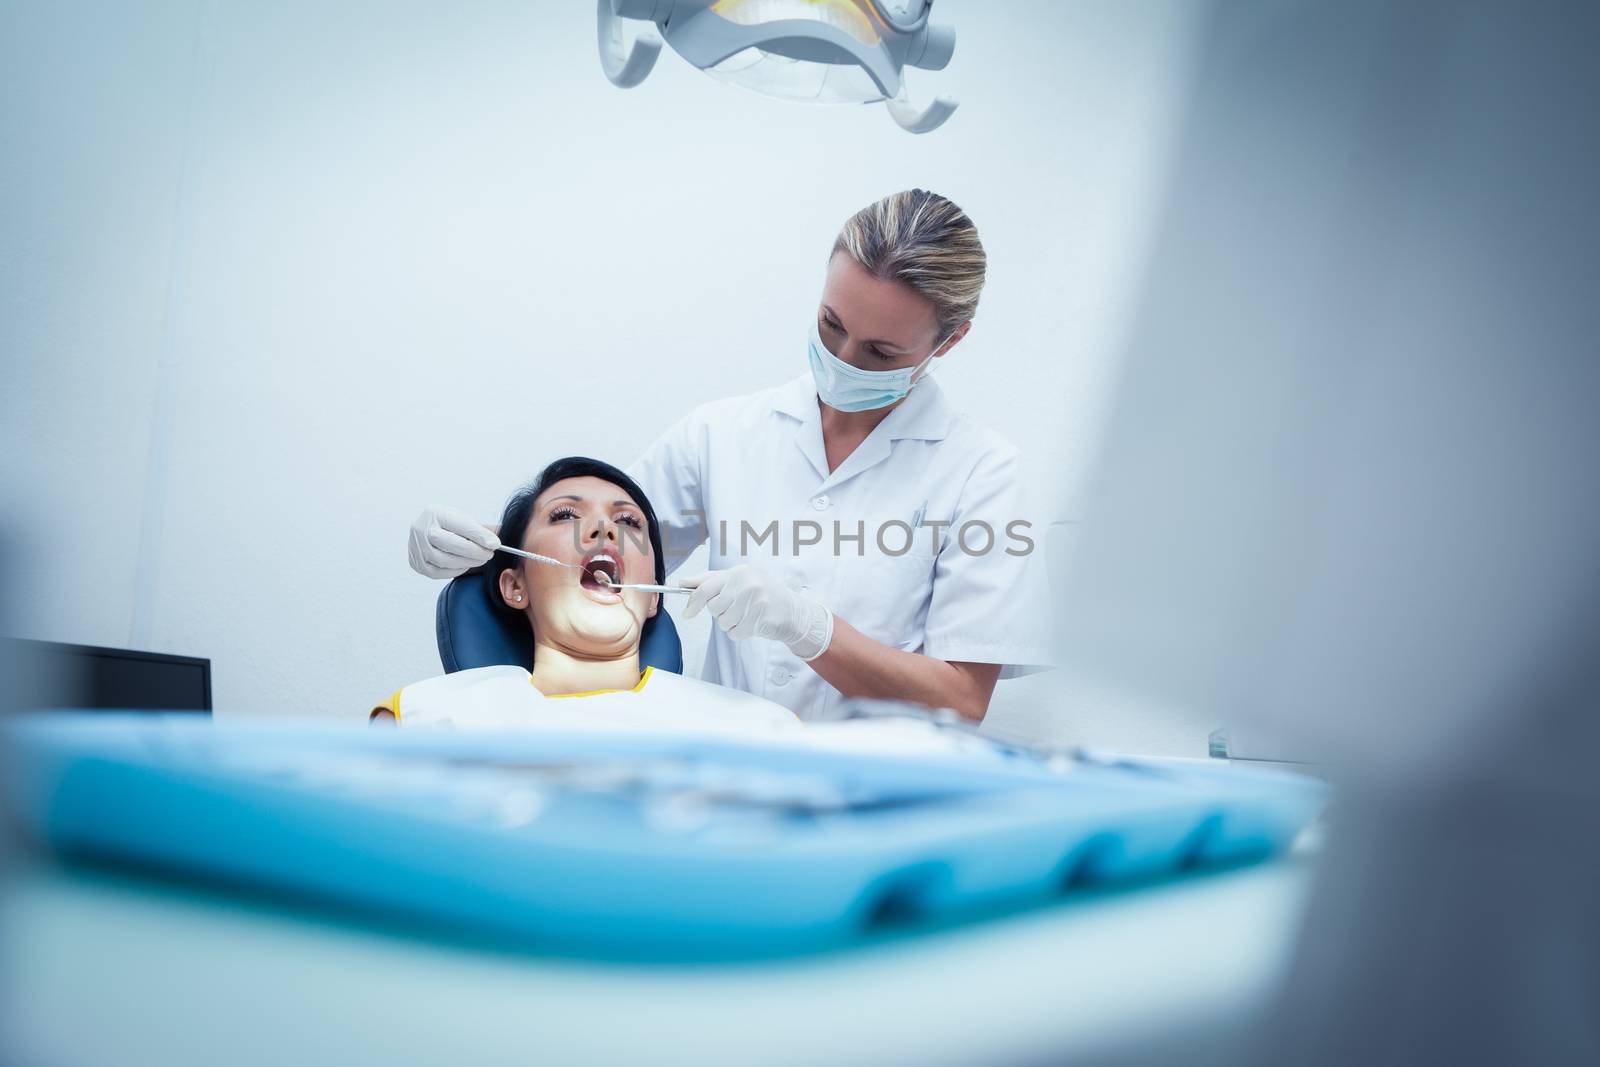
<point x="519" y="512"/>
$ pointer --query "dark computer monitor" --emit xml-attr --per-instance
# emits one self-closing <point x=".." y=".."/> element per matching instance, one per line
<point x="87" y="676"/>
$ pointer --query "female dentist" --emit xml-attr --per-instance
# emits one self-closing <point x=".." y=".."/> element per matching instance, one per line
<point x="866" y="539"/>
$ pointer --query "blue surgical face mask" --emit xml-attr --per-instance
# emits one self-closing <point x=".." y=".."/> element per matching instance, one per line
<point x="846" y="388"/>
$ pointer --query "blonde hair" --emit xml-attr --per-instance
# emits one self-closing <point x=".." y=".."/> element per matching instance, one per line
<point x="923" y="241"/>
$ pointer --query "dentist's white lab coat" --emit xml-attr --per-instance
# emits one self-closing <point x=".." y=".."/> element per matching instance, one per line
<point x="759" y="460"/>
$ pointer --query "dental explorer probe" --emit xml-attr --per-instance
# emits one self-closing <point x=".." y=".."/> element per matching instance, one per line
<point x="537" y="558"/>
<point x="601" y="578"/>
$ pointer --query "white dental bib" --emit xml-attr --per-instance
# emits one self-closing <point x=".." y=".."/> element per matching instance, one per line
<point x="506" y="698"/>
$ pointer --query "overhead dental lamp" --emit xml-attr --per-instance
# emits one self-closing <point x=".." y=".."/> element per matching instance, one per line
<point x="826" y="51"/>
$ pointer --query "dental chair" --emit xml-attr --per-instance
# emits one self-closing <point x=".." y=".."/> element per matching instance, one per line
<point x="472" y="632"/>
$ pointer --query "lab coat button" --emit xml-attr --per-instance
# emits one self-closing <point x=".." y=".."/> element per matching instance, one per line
<point x="780" y="676"/>
<point x="796" y="582"/>
<point x="820" y="502"/>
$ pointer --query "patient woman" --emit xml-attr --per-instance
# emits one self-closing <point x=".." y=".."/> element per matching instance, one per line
<point x="586" y="672"/>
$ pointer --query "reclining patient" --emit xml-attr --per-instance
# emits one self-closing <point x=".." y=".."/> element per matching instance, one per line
<point x="586" y="672"/>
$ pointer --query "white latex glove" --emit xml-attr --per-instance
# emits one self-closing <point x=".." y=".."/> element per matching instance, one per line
<point x="446" y="542"/>
<point x="748" y="602"/>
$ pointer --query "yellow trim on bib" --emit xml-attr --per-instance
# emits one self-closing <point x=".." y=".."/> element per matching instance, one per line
<point x="392" y="706"/>
<point x="644" y="676"/>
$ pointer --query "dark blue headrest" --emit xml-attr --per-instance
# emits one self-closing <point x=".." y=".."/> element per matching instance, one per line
<point x="472" y="632"/>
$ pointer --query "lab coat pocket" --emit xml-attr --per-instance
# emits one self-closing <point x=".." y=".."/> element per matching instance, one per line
<point x="886" y="597"/>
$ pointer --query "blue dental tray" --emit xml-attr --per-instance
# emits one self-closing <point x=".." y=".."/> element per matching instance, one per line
<point x="627" y="845"/>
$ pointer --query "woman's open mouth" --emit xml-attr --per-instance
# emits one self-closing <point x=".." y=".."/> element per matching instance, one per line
<point x="602" y="568"/>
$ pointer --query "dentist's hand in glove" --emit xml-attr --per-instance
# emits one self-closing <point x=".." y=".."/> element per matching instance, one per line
<point x="748" y="602"/>
<point x="446" y="542"/>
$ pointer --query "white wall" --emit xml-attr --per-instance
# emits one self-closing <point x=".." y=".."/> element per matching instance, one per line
<point x="276" y="276"/>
